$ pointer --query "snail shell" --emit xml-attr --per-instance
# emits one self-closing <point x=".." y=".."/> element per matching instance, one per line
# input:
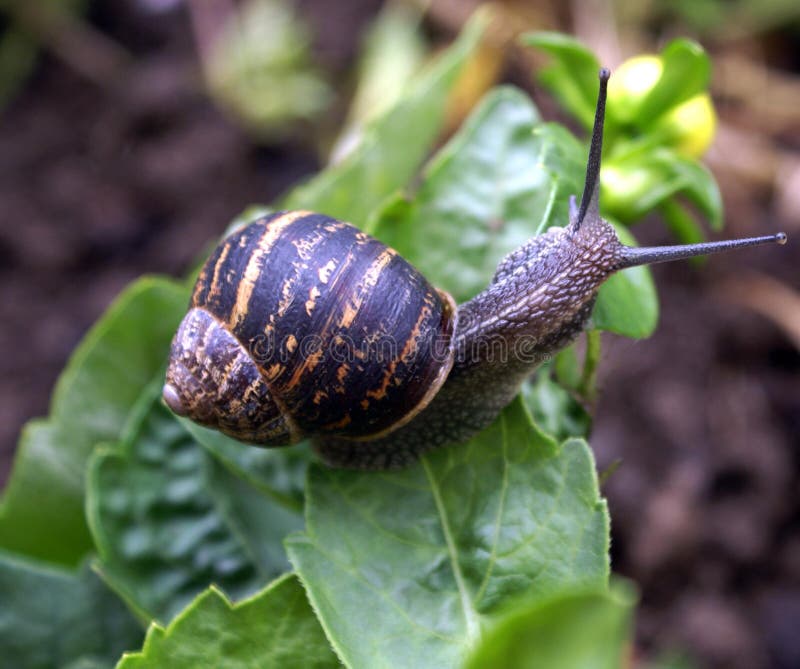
<point x="303" y="325"/>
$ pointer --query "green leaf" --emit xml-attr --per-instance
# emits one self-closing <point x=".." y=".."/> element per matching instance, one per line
<point x="50" y="618"/>
<point x="117" y="359"/>
<point x="168" y="520"/>
<point x="572" y="74"/>
<point x="277" y="472"/>
<point x="681" y="224"/>
<point x="274" y="629"/>
<point x="393" y="145"/>
<point x="687" y="72"/>
<point x="553" y="408"/>
<point x="503" y="178"/>
<point x="404" y="568"/>
<point x="42" y="511"/>
<point x="589" y="629"/>
<point x="392" y="52"/>
<point x="628" y="302"/>
<point x="683" y="227"/>
<point x="697" y="185"/>
<point x="641" y="181"/>
<point x="568" y="371"/>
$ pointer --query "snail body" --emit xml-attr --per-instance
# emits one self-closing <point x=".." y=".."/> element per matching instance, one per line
<point x="303" y="326"/>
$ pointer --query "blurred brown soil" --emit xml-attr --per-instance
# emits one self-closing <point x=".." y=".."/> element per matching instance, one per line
<point x="99" y="186"/>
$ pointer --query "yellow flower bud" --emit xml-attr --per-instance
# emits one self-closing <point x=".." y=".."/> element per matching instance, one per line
<point x="688" y="128"/>
<point x="630" y="84"/>
<point x="691" y="126"/>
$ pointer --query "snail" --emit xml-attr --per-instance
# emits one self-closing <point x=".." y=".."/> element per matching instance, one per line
<point x="301" y="326"/>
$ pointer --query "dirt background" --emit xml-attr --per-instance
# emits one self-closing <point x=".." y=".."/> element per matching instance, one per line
<point x="101" y="183"/>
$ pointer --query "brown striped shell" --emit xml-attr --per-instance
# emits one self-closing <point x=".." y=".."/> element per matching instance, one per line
<point x="302" y="325"/>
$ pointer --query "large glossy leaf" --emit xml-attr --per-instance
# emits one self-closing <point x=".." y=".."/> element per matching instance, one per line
<point x="503" y="178"/>
<point x="274" y="629"/>
<point x="51" y="618"/>
<point x="392" y="146"/>
<point x="405" y="568"/>
<point x="588" y="629"/>
<point x="42" y="511"/>
<point x="168" y="520"/>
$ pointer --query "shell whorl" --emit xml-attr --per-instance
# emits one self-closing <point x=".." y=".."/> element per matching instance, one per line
<point x="212" y="379"/>
<point x="348" y="337"/>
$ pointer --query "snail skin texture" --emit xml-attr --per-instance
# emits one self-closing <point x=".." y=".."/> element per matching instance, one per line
<point x="303" y="326"/>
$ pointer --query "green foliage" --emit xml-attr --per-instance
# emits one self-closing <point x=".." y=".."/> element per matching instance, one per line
<point x="42" y="509"/>
<point x="465" y="557"/>
<point x="392" y="146"/>
<point x="553" y="407"/>
<point x="649" y="156"/>
<point x="571" y="74"/>
<point x="54" y="618"/>
<point x="393" y="49"/>
<point x="168" y="519"/>
<point x="274" y="629"/>
<point x="585" y="629"/>
<point x="474" y="205"/>
<point x="277" y="474"/>
<point x="259" y="67"/>
<point x="405" y="568"/>
<point x="503" y="177"/>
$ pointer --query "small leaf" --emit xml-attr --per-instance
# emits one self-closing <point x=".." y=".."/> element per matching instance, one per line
<point x="274" y="629"/>
<point x="168" y="520"/>
<point x="683" y="227"/>
<point x="572" y="75"/>
<point x="51" y="618"/>
<point x="628" y="302"/>
<point x="698" y="186"/>
<point x="682" y="176"/>
<point x="404" y="568"/>
<point x="392" y="146"/>
<point x="572" y="630"/>
<point x="42" y="510"/>
<point x="639" y="182"/>
<point x="553" y="408"/>
<point x="686" y="72"/>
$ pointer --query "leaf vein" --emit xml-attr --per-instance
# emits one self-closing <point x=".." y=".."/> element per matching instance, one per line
<point x="470" y="615"/>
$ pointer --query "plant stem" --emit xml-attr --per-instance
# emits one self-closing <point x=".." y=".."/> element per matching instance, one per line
<point x="587" y="387"/>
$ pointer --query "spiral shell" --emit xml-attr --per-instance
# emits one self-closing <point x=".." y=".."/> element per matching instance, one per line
<point x="301" y="325"/>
